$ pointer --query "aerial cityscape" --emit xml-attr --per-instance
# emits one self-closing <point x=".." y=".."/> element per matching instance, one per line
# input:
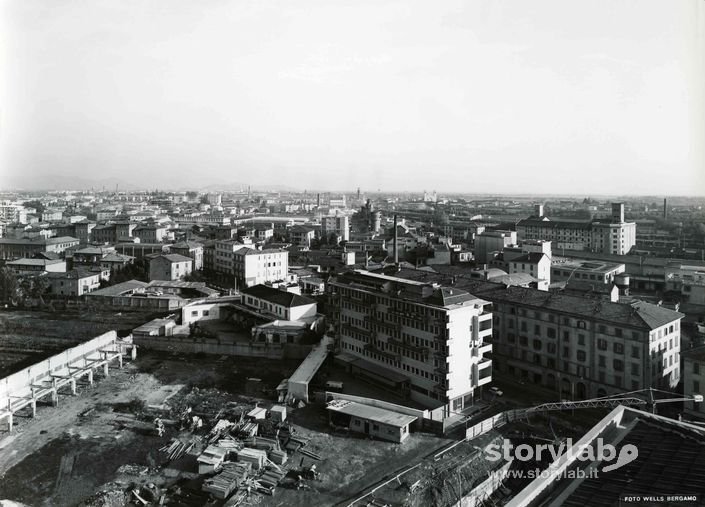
<point x="352" y="254"/>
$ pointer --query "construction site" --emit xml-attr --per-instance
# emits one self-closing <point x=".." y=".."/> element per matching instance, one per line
<point x="107" y="424"/>
<point x="175" y="430"/>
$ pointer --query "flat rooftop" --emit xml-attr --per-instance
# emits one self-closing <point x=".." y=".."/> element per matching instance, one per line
<point x="313" y="362"/>
<point x="376" y="414"/>
<point x="591" y="265"/>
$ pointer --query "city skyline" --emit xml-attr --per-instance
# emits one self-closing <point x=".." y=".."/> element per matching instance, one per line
<point x="489" y="97"/>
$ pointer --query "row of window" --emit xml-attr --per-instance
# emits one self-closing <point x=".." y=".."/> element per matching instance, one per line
<point x="419" y="372"/>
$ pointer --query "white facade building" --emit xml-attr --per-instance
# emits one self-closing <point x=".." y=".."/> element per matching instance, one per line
<point x="420" y="339"/>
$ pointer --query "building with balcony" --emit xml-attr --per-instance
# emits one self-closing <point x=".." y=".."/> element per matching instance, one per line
<point x="581" y="347"/>
<point x="422" y="340"/>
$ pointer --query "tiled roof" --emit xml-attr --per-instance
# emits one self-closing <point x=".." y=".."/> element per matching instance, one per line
<point x="670" y="461"/>
<point x="639" y="315"/>
<point x="589" y="287"/>
<point x="172" y="257"/>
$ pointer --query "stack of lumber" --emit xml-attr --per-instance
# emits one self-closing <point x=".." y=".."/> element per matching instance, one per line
<point x="211" y="459"/>
<point x="247" y="429"/>
<point x="296" y="443"/>
<point x="232" y="475"/>
<point x="255" y="457"/>
<point x="270" y="478"/>
<point x="278" y="457"/>
<point x="229" y="443"/>
<point x="310" y="454"/>
<point x="267" y="444"/>
<point x="176" y="449"/>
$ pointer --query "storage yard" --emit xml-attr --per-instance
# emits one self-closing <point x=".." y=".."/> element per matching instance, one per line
<point x="196" y="429"/>
<point x="103" y="446"/>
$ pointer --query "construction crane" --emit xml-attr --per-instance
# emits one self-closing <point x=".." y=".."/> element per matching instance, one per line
<point x="612" y="401"/>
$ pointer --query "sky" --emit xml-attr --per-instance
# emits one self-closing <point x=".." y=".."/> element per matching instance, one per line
<point x="563" y="96"/>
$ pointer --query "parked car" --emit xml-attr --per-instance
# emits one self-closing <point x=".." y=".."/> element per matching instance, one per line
<point x="496" y="391"/>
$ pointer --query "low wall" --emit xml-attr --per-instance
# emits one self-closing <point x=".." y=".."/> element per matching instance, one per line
<point x="155" y="303"/>
<point x="214" y="346"/>
<point x="19" y="384"/>
<point x="495" y="421"/>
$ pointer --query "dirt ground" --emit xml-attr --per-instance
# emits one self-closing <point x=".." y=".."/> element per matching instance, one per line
<point x="70" y="452"/>
<point x="28" y="336"/>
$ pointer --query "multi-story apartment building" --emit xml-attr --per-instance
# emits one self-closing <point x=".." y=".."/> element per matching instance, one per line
<point x="76" y="282"/>
<point x="611" y="236"/>
<point x="13" y="213"/>
<point x="104" y="233"/>
<point x="301" y="235"/>
<point x="149" y="233"/>
<point x="81" y="230"/>
<point x="337" y="225"/>
<point x="11" y="248"/>
<point x="189" y="249"/>
<point x="169" y="267"/>
<point x="582" y="347"/>
<point x="52" y="215"/>
<point x="489" y="242"/>
<point x="253" y="267"/>
<point x="694" y="380"/>
<point x="224" y="254"/>
<point x="419" y="339"/>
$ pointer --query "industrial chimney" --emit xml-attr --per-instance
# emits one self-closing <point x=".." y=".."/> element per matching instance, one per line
<point x="396" y="247"/>
<point x="665" y="210"/>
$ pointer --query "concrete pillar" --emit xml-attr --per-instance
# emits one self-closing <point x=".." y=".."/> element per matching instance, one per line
<point x="90" y="376"/>
<point x="120" y="360"/>
<point x="10" y="421"/>
<point x="34" y="407"/>
<point x="73" y="386"/>
<point x="133" y="353"/>
<point x="105" y="369"/>
<point x="55" y="397"/>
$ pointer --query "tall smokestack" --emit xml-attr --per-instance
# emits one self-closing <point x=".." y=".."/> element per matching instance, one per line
<point x="396" y="248"/>
<point x="665" y="210"/>
<point x="318" y="200"/>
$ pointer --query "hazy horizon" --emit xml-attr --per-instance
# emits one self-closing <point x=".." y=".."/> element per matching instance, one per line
<point x="488" y="97"/>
